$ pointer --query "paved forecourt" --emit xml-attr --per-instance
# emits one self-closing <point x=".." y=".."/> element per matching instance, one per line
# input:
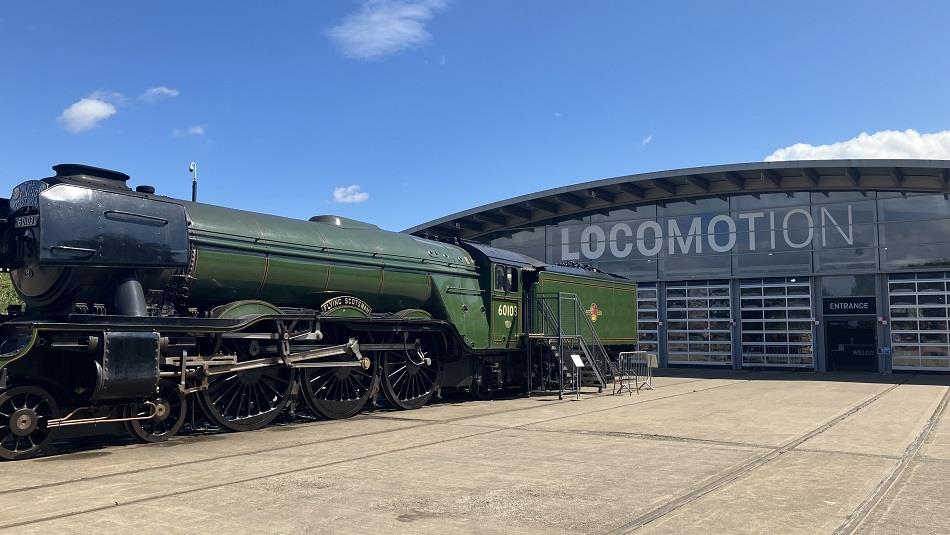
<point x="709" y="451"/>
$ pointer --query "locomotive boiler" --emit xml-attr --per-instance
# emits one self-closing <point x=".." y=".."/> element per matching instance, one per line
<point x="139" y="306"/>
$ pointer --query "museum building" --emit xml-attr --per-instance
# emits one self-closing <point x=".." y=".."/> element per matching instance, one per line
<point x="826" y="265"/>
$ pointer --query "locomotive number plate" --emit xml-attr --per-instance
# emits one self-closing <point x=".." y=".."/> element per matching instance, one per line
<point x="24" y="221"/>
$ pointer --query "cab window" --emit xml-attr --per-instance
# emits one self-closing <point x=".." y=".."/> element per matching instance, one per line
<point x="512" y="280"/>
<point x="499" y="278"/>
<point x="506" y="279"/>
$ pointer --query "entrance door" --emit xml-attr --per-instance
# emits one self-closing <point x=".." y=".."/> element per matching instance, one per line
<point x="852" y="344"/>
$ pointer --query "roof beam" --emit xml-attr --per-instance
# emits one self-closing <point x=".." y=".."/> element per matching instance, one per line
<point x="734" y="178"/>
<point x="665" y="185"/>
<point x="853" y="175"/>
<point x="811" y="175"/>
<point x="541" y="204"/>
<point x="770" y="176"/>
<point x="445" y="230"/>
<point x="469" y="225"/>
<point x="598" y="193"/>
<point x="699" y="182"/>
<point x="516" y="211"/>
<point x="633" y="189"/>
<point x="898" y="175"/>
<point x="570" y="198"/>
<point x="489" y="217"/>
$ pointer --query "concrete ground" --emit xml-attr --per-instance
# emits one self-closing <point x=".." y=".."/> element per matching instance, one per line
<point x="706" y="452"/>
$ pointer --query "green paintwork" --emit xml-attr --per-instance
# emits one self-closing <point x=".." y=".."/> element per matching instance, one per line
<point x="244" y="255"/>
<point x="240" y="309"/>
<point x="506" y="321"/>
<point x="505" y="311"/>
<point x="413" y="314"/>
<point x="462" y="305"/>
<point x="615" y="299"/>
<point x="346" y="311"/>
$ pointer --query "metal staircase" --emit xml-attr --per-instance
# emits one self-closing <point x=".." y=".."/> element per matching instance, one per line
<point x="557" y="328"/>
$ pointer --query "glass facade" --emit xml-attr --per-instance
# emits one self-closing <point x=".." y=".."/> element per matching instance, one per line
<point x="918" y="308"/>
<point x="777" y="322"/>
<point x="699" y="326"/>
<point x="647" y="317"/>
<point x="747" y="266"/>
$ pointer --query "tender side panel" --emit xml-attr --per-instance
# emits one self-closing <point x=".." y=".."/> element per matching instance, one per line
<point x="611" y="305"/>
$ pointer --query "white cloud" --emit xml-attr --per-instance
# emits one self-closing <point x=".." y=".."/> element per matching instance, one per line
<point x="155" y="94"/>
<point x="349" y="194"/>
<point x="111" y="97"/>
<point x="442" y="60"/>
<point x="884" y="144"/>
<point x="384" y="27"/>
<point x="85" y="114"/>
<point x="197" y="130"/>
<point x="647" y="140"/>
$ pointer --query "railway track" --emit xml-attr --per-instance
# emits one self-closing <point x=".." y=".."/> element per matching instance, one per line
<point x="855" y="520"/>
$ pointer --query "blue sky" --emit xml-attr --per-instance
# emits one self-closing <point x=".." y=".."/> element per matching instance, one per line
<point x="430" y="107"/>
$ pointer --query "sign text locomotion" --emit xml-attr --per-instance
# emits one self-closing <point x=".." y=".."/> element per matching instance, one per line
<point x="762" y="230"/>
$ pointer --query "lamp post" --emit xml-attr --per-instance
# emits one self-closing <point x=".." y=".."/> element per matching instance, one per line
<point x="193" y="169"/>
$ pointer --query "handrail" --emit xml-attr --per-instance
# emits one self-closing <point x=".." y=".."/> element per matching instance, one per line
<point x="547" y="323"/>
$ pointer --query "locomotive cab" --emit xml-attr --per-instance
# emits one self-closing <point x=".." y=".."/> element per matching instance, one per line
<point x="508" y="276"/>
<point x="506" y="306"/>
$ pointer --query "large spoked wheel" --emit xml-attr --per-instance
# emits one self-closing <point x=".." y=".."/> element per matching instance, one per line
<point x="247" y="400"/>
<point x="251" y="399"/>
<point x="338" y="392"/>
<point x="25" y="412"/>
<point x="170" y="409"/>
<point x="408" y="379"/>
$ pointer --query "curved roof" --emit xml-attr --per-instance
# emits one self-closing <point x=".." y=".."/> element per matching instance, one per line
<point x="691" y="183"/>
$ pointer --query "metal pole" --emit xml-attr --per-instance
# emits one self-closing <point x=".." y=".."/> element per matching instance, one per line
<point x="193" y="169"/>
<point x="577" y="307"/>
<point x="528" y="318"/>
<point x="560" y="352"/>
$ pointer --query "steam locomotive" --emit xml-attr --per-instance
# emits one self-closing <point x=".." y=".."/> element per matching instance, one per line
<point x="140" y="307"/>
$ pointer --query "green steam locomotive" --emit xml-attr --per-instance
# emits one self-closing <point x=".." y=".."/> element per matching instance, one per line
<point x="139" y="307"/>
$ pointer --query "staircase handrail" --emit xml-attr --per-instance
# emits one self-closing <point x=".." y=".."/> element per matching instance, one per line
<point x="583" y="328"/>
<point x="599" y="354"/>
<point x="598" y="346"/>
